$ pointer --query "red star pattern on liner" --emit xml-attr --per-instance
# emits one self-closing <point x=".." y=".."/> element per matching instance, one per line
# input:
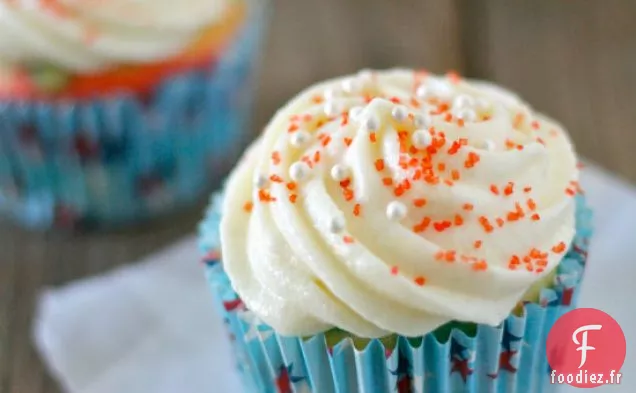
<point x="234" y="305"/>
<point x="460" y="359"/>
<point x="507" y="353"/>
<point x="404" y="374"/>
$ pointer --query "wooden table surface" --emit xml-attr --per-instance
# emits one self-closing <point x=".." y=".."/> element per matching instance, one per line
<point x="575" y="60"/>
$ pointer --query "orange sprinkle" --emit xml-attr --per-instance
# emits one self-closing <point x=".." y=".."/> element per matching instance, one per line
<point x="477" y="244"/>
<point x="535" y="125"/>
<point x="472" y="159"/>
<point x="539" y="270"/>
<point x="518" y="120"/>
<point x="441" y="226"/>
<point x="509" y="189"/>
<point x="317" y="156"/>
<point x="531" y="204"/>
<point x="455" y="174"/>
<point x="510" y="144"/>
<point x="440" y="255"/>
<point x="307" y="117"/>
<point x="264" y="196"/>
<point x="454" y="77"/>
<point x="559" y="248"/>
<point x="347" y="239"/>
<point x="554" y="133"/>
<point x="395" y="100"/>
<point x="420" y="281"/>
<point x="450" y="256"/>
<point x="535" y="254"/>
<point x="459" y="220"/>
<point x="420" y="202"/>
<point x="276" y="179"/>
<point x="292" y="198"/>
<point x="345" y="183"/>
<point x="248" y="206"/>
<point x="480" y="266"/>
<point x="448" y="117"/>
<point x="399" y="190"/>
<point x="460" y="122"/>
<point x="356" y="210"/>
<point x="542" y="263"/>
<point x="468" y="206"/>
<point x="454" y="147"/>
<point x="395" y="270"/>
<point x="514" y="260"/>
<point x="449" y="183"/>
<point x="415" y="103"/>
<point x="345" y="119"/>
<point x="500" y="222"/>
<point x="326" y="141"/>
<point x="292" y="128"/>
<point x="527" y="259"/>
<point x="276" y="158"/>
<point x="441" y="167"/>
<point x="291" y="186"/>
<point x="535" y="217"/>
<point x="348" y="141"/>
<point x="348" y="194"/>
<point x="402" y="135"/>
<point x="387" y="181"/>
<point x="486" y="224"/>
<point x="527" y="189"/>
<point x="421" y="227"/>
<point x="317" y="99"/>
<point x="570" y="192"/>
<point x="540" y="140"/>
<point x="494" y="189"/>
<point x="529" y="268"/>
<point x="372" y="137"/>
<point x="379" y="164"/>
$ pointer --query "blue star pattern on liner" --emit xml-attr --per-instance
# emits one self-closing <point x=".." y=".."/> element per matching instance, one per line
<point x="285" y="379"/>
<point x="404" y="374"/>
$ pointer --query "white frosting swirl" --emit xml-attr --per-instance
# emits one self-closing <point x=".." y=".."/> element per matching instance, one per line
<point x="438" y="219"/>
<point x="91" y="35"/>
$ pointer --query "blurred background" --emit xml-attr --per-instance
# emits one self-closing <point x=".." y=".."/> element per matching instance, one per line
<point x="574" y="60"/>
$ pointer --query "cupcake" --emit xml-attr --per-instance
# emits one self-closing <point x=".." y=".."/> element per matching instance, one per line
<point x="398" y="231"/>
<point x="114" y="111"/>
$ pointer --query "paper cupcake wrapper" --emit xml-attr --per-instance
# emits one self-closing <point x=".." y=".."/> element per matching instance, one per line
<point x="509" y="358"/>
<point x="127" y="157"/>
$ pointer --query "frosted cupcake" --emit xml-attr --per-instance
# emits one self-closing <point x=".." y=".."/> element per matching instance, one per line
<point x="114" y="111"/>
<point x="399" y="231"/>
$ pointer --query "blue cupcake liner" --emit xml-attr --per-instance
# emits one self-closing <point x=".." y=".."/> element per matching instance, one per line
<point x="127" y="157"/>
<point x="509" y="358"/>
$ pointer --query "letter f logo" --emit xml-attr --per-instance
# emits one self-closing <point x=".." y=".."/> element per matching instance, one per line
<point x="583" y="344"/>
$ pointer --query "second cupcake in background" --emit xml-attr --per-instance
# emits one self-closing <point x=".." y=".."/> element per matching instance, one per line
<point x="399" y="231"/>
<point x="114" y="111"/>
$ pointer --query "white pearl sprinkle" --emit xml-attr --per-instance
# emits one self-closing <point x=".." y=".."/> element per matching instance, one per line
<point x="339" y="172"/>
<point x="371" y="123"/>
<point x="399" y="113"/>
<point x="422" y="92"/>
<point x="349" y="85"/>
<point x="336" y="225"/>
<point x="330" y="93"/>
<point x="260" y="181"/>
<point x="489" y="145"/>
<point x="355" y="112"/>
<point x="298" y="171"/>
<point x="299" y="138"/>
<point x="365" y="75"/>
<point x="422" y="120"/>
<point x="396" y="211"/>
<point x="331" y="109"/>
<point x="468" y="115"/>
<point x="463" y="101"/>
<point x="421" y="138"/>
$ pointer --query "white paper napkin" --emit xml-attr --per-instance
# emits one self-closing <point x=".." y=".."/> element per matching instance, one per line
<point x="151" y="327"/>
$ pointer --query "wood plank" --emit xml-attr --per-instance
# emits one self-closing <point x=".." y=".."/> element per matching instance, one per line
<point x="572" y="60"/>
